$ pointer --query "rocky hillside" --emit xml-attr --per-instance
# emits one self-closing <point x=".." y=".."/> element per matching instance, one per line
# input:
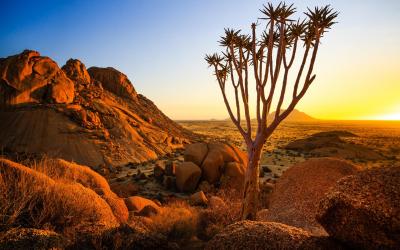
<point x="93" y="117"/>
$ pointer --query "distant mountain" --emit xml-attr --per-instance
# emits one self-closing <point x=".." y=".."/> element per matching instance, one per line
<point x="295" y="116"/>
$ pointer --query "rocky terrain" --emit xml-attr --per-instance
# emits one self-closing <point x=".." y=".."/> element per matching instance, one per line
<point x="88" y="163"/>
<point x="93" y="117"/>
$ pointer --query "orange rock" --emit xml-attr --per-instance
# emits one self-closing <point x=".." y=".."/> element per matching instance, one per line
<point x="187" y="176"/>
<point x="196" y="153"/>
<point x="212" y="157"/>
<point x="295" y="198"/>
<point x="363" y="210"/>
<point x="198" y="199"/>
<point x="137" y="203"/>
<point x="76" y="71"/>
<point x="27" y="77"/>
<point x="234" y="172"/>
<point x="113" y="81"/>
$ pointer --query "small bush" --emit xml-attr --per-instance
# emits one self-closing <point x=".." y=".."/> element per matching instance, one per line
<point x="213" y="219"/>
<point x="70" y="173"/>
<point x="31" y="199"/>
<point x="177" y="220"/>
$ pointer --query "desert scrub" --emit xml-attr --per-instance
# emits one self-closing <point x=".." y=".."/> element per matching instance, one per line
<point x="70" y="173"/>
<point x="31" y="199"/>
<point x="216" y="217"/>
<point x="176" y="220"/>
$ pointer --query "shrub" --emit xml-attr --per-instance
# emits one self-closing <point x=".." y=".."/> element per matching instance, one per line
<point x="177" y="220"/>
<point x="68" y="172"/>
<point x="213" y="219"/>
<point x="31" y="199"/>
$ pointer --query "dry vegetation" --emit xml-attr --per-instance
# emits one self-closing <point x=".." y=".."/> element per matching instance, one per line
<point x="32" y="199"/>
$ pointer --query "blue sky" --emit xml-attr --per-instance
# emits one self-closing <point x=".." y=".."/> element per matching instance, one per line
<point x="160" y="45"/>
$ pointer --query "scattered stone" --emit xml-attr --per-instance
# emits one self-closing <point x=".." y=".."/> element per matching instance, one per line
<point x="205" y="187"/>
<point x="170" y="168"/>
<point x="148" y="211"/>
<point x="169" y="182"/>
<point x="198" y="199"/>
<point x="125" y="189"/>
<point x="158" y="172"/>
<point x="137" y="203"/>
<point x="216" y="202"/>
<point x="266" y="169"/>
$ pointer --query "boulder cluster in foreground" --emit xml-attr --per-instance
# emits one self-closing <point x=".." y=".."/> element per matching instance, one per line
<point x="58" y="204"/>
<point x="359" y="211"/>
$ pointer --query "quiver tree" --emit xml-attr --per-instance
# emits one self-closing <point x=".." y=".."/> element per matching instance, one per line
<point x="267" y="58"/>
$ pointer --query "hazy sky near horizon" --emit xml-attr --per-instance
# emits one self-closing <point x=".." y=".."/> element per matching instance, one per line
<point x="160" y="45"/>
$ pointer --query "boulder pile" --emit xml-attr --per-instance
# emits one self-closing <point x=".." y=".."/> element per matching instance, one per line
<point x="215" y="163"/>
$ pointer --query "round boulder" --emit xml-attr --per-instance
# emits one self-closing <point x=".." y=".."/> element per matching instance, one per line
<point x="295" y="198"/>
<point x="363" y="210"/>
<point x="212" y="157"/>
<point x="267" y="235"/>
<point x="187" y="176"/>
<point x="137" y="204"/>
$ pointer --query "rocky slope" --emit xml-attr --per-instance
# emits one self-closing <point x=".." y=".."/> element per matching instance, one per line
<point x="93" y="117"/>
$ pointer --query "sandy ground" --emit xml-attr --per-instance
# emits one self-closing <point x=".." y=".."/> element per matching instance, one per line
<point x="383" y="137"/>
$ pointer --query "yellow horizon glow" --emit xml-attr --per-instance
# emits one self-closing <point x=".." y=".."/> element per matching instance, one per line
<point x="389" y="117"/>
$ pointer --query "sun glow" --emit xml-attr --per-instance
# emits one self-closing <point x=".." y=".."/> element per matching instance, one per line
<point x="390" y="117"/>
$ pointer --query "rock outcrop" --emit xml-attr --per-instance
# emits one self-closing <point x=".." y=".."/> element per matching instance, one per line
<point x="31" y="78"/>
<point x="114" y="81"/>
<point x="76" y="71"/>
<point x="267" y="235"/>
<point x="295" y="198"/>
<point x="363" y="210"/>
<point x="94" y="118"/>
<point x="218" y="162"/>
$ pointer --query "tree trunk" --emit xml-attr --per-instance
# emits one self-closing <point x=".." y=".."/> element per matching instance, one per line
<point x="251" y="185"/>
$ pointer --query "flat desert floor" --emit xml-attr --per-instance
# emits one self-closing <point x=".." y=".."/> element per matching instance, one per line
<point x="382" y="137"/>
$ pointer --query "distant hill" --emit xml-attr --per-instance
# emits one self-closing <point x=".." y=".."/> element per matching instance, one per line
<point x="295" y="116"/>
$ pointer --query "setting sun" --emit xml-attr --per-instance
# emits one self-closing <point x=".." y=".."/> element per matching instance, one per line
<point x="389" y="117"/>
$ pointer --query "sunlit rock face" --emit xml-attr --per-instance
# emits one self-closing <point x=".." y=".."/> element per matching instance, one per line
<point x="31" y="78"/>
<point x="114" y="81"/>
<point x="93" y="117"/>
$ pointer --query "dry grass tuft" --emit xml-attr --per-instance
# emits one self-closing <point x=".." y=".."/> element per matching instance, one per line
<point x="62" y="170"/>
<point x="214" y="219"/>
<point x="68" y="172"/>
<point x="177" y="220"/>
<point x="31" y="199"/>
